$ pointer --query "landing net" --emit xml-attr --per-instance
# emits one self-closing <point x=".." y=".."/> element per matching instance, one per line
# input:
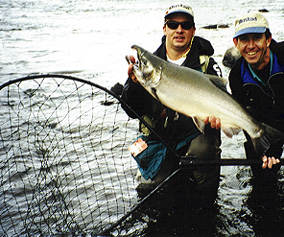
<point x="64" y="163"/>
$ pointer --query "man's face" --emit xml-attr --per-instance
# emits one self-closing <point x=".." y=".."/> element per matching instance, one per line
<point x="254" y="49"/>
<point x="179" y="38"/>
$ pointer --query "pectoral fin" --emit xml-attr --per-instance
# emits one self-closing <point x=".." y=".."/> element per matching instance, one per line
<point x="229" y="132"/>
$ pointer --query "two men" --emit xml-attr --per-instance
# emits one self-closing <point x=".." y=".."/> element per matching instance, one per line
<point x="255" y="80"/>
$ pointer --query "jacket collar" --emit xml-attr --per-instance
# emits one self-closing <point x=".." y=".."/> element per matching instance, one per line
<point x="200" y="46"/>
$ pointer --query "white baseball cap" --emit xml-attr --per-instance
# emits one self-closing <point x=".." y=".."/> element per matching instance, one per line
<point x="179" y="8"/>
<point x="253" y="22"/>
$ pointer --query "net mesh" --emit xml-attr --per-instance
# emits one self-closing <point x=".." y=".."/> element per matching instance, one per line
<point x="64" y="165"/>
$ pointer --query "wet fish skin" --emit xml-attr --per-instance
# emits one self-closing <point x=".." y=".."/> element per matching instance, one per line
<point x="199" y="95"/>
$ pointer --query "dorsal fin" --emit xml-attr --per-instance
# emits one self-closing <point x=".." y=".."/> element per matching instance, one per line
<point x="219" y="82"/>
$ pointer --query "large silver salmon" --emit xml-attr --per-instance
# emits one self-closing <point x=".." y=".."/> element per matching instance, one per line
<point x="199" y="95"/>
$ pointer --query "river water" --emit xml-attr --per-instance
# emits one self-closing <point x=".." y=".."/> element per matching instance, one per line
<point x="89" y="39"/>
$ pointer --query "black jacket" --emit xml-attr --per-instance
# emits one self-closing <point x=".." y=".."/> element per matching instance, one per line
<point x="167" y="123"/>
<point x="265" y="103"/>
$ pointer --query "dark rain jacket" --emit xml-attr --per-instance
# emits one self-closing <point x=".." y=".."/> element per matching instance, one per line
<point x="263" y="102"/>
<point x="166" y="122"/>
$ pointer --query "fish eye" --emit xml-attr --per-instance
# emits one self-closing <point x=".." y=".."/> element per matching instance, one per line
<point x="145" y="62"/>
<point x="147" y="73"/>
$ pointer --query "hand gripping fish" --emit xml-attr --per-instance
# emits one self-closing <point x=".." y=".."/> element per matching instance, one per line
<point x="199" y="95"/>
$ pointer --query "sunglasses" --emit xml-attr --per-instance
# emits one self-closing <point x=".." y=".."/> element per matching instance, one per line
<point x="186" y="25"/>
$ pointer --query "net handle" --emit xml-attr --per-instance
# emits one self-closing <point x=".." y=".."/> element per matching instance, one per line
<point x="189" y="162"/>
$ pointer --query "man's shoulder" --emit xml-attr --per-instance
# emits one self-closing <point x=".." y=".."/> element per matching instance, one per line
<point x="278" y="48"/>
<point x="161" y="50"/>
<point x="204" y="46"/>
<point x="203" y="50"/>
<point x="212" y="67"/>
<point x="276" y="45"/>
<point x="236" y="70"/>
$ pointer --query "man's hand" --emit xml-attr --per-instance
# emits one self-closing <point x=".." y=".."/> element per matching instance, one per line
<point x="268" y="162"/>
<point x="130" y="69"/>
<point x="214" y="122"/>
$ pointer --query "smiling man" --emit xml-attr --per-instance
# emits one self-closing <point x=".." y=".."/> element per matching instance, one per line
<point x="257" y="82"/>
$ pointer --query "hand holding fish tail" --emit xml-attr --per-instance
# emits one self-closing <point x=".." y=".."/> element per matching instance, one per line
<point x="268" y="162"/>
<point x="214" y="122"/>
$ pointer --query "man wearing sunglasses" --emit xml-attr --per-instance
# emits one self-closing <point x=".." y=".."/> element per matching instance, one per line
<point x="181" y="46"/>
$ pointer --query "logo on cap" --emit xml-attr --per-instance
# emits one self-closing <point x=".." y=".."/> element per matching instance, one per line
<point x="179" y="8"/>
<point x="247" y="19"/>
<point x="180" y="5"/>
<point x="253" y="22"/>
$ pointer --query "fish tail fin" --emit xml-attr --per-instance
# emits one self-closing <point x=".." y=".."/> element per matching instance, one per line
<point x="270" y="135"/>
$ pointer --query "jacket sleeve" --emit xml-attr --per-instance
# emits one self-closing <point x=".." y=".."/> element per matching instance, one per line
<point x="138" y="99"/>
<point x="213" y="68"/>
<point x="132" y="95"/>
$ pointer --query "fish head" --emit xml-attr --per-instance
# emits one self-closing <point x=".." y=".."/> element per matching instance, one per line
<point x="147" y="68"/>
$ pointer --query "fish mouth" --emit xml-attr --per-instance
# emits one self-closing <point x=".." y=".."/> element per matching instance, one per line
<point x="139" y="55"/>
<point x="136" y="47"/>
<point x="138" y="50"/>
<point x="137" y="62"/>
